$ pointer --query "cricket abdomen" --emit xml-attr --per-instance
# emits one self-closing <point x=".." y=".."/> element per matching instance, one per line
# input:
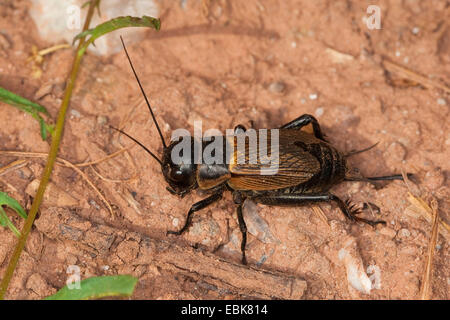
<point x="332" y="168"/>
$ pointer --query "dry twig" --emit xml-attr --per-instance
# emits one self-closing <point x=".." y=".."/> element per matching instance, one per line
<point x="414" y="76"/>
<point x="321" y="215"/>
<point x="65" y="163"/>
<point x="425" y="290"/>
<point x="12" y="166"/>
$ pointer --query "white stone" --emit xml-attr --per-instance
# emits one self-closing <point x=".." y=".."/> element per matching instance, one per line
<point x="59" y="21"/>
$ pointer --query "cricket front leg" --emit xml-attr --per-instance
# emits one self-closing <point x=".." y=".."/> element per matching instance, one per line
<point x="196" y="207"/>
<point x="239" y="199"/>
<point x="243" y="228"/>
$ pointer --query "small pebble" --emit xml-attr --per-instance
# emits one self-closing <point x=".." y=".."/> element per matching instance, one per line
<point x="441" y="102"/>
<point x="183" y="4"/>
<point x="277" y="87"/>
<point x="319" y="112"/>
<point x="101" y="120"/>
<point x="415" y="30"/>
<point x="434" y="179"/>
<point x="175" y="222"/>
<point x="375" y="276"/>
<point x="403" y="233"/>
<point x="388" y="232"/>
<point x="313" y="96"/>
<point x="75" y="113"/>
<point x="356" y="275"/>
<point x="94" y="204"/>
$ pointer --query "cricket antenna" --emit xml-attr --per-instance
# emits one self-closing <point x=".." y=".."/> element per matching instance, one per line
<point x="382" y="178"/>
<point x="146" y="100"/>
<point x="353" y="152"/>
<point x="144" y="147"/>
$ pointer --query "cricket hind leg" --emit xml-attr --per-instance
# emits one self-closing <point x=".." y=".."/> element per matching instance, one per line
<point x="196" y="207"/>
<point x="304" y="120"/>
<point x="350" y="211"/>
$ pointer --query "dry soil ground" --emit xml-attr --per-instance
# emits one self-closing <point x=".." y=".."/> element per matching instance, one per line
<point x="229" y="62"/>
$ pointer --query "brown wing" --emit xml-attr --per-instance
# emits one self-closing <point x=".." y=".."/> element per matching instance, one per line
<point x="264" y="170"/>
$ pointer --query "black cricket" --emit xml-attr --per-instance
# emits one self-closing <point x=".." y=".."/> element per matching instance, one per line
<point x="308" y="167"/>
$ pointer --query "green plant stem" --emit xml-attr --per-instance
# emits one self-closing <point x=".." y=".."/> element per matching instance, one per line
<point x="56" y="138"/>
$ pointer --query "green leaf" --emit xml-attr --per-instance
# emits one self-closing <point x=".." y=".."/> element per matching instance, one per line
<point x="12" y="203"/>
<point x="3" y="217"/>
<point x="5" y="222"/>
<point x="114" y="24"/>
<point x="6" y="200"/>
<point x="14" y="99"/>
<point x="98" y="287"/>
<point x="43" y="129"/>
<point x="27" y="106"/>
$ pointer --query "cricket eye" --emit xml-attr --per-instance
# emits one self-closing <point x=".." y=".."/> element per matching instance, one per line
<point x="176" y="174"/>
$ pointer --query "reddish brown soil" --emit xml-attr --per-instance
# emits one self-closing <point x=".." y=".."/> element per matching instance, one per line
<point x="217" y="61"/>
